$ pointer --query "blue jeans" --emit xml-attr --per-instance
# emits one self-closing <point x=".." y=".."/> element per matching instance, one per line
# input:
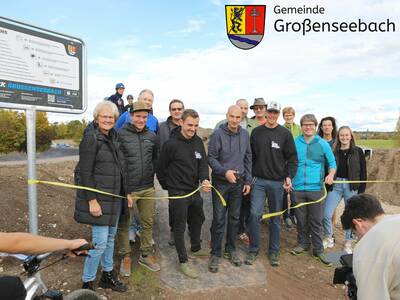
<point x="340" y="190"/>
<point x="273" y="190"/>
<point x="103" y="238"/>
<point x="232" y="194"/>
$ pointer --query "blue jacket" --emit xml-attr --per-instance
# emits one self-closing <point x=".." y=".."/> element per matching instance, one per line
<point x="311" y="168"/>
<point x="152" y="122"/>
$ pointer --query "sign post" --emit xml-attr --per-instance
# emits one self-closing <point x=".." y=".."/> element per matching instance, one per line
<point x="40" y="70"/>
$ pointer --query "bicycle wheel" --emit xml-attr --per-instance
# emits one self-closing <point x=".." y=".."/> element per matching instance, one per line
<point x="82" y="294"/>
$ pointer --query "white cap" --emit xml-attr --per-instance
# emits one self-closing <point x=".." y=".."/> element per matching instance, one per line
<point x="273" y="106"/>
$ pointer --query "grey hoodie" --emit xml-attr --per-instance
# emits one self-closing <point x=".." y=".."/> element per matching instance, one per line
<point x="230" y="151"/>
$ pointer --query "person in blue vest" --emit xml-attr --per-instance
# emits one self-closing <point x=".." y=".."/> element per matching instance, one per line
<point x="146" y="96"/>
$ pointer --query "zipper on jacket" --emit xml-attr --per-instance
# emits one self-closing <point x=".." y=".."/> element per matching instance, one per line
<point x="141" y="156"/>
<point x="305" y="167"/>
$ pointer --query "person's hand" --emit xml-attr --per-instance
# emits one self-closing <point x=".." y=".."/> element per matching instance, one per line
<point x="206" y="186"/>
<point x="246" y="189"/>
<point x="230" y="176"/>
<point x="130" y="200"/>
<point x="287" y="185"/>
<point x="95" y="208"/>
<point x="329" y="179"/>
<point x="75" y="244"/>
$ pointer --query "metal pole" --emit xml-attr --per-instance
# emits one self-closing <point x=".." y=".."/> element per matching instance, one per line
<point x="31" y="152"/>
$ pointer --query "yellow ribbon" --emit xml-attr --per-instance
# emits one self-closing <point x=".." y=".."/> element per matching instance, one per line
<point x="79" y="187"/>
<point x="278" y="213"/>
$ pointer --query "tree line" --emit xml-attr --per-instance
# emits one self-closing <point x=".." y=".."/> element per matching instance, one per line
<point x="13" y="131"/>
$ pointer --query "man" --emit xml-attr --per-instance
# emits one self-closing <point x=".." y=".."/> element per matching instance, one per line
<point x="259" y="108"/>
<point x="130" y="102"/>
<point x="176" y="108"/>
<point x="246" y="123"/>
<point x="274" y="165"/>
<point x="288" y="114"/>
<point x="182" y="165"/>
<point x="313" y="153"/>
<point x="140" y="150"/>
<point x="117" y="97"/>
<point x="146" y="96"/>
<point x="229" y="156"/>
<point x="376" y="256"/>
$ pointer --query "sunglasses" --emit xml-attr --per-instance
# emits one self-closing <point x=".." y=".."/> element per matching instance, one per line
<point x="177" y="109"/>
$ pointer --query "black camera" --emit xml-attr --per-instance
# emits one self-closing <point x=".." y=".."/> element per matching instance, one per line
<point x="344" y="275"/>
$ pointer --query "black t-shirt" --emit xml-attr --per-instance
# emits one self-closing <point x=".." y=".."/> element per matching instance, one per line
<point x="342" y="170"/>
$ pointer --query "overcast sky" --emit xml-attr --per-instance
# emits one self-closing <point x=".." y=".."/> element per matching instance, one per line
<point x="180" y="49"/>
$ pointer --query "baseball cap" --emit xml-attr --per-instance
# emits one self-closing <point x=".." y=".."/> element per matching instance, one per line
<point x="119" y="86"/>
<point x="273" y="106"/>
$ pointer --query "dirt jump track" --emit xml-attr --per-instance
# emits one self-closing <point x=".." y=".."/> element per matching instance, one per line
<point x="297" y="278"/>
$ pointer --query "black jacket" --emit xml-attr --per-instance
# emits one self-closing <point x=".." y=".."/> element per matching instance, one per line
<point x="141" y="152"/>
<point x="356" y="168"/>
<point x="118" y="101"/>
<point x="165" y="130"/>
<point x="100" y="167"/>
<point x="182" y="163"/>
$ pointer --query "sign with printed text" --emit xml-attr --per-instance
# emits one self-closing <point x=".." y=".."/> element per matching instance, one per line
<point x="41" y="68"/>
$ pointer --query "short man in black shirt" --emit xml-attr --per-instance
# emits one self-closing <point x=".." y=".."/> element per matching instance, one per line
<point x="274" y="165"/>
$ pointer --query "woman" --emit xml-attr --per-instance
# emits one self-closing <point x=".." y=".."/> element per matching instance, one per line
<point x="351" y="165"/>
<point x="327" y="130"/>
<point x="100" y="167"/>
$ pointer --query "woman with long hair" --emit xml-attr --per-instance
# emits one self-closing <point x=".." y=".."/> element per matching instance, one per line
<point x="327" y="130"/>
<point x="351" y="166"/>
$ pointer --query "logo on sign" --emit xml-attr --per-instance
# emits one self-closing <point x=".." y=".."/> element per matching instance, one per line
<point x="72" y="49"/>
<point x="245" y="25"/>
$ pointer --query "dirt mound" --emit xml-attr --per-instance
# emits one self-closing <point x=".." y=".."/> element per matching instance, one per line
<point x="385" y="165"/>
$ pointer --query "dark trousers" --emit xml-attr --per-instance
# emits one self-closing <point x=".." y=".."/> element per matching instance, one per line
<point x="188" y="210"/>
<point x="286" y="205"/>
<point x="244" y="213"/>
<point x="309" y="220"/>
<point x="232" y="194"/>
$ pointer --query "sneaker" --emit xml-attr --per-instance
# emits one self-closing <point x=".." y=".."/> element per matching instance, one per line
<point x="213" y="263"/>
<point x="171" y="241"/>
<point x="293" y="219"/>
<point x="200" y="253"/>
<point x="132" y="236"/>
<point x="274" y="259"/>
<point x="328" y="242"/>
<point x="298" y="250"/>
<point x="244" y="238"/>
<point x="250" y="258"/>
<point x="347" y="247"/>
<point x="125" y="267"/>
<point x="234" y="258"/>
<point x="150" y="262"/>
<point x="288" y="223"/>
<point x="189" y="270"/>
<point x="89" y="285"/>
<point x="108" y="280"/>
<point x="322" y="258"/>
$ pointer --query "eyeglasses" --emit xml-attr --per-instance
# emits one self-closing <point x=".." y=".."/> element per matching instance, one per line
<point x="308" y="125"/>
<point x="106" y="117"/>
<point x="177" y="109"/>
<point x="259" y="107"/>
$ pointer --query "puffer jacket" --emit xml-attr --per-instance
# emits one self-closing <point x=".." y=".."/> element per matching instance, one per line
<point x="141" y="153"/>
<point x="100" y="167"/>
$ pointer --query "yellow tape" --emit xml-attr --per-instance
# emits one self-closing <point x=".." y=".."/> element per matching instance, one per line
<point x="79" y="187"/>
<point x="278" y="213"/>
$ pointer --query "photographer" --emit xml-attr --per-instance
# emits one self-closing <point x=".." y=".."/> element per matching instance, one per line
<point x="376" y="258"/>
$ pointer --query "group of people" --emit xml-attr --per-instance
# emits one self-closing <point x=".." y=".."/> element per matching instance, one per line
<point x="252" y="161"/>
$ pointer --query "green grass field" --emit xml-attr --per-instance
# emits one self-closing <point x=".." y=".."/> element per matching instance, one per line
<point x="378" y="144"/>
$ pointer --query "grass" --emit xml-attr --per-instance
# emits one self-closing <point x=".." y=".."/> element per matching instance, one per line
<point x="146" y="282"/>
<point x="378" y="144"/>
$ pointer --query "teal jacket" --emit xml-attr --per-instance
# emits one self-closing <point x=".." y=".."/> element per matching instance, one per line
<point x="311" y="168"/>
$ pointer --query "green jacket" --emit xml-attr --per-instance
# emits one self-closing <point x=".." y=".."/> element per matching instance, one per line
<point x="251" y="124"/>
<point x="294" y="129"/>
